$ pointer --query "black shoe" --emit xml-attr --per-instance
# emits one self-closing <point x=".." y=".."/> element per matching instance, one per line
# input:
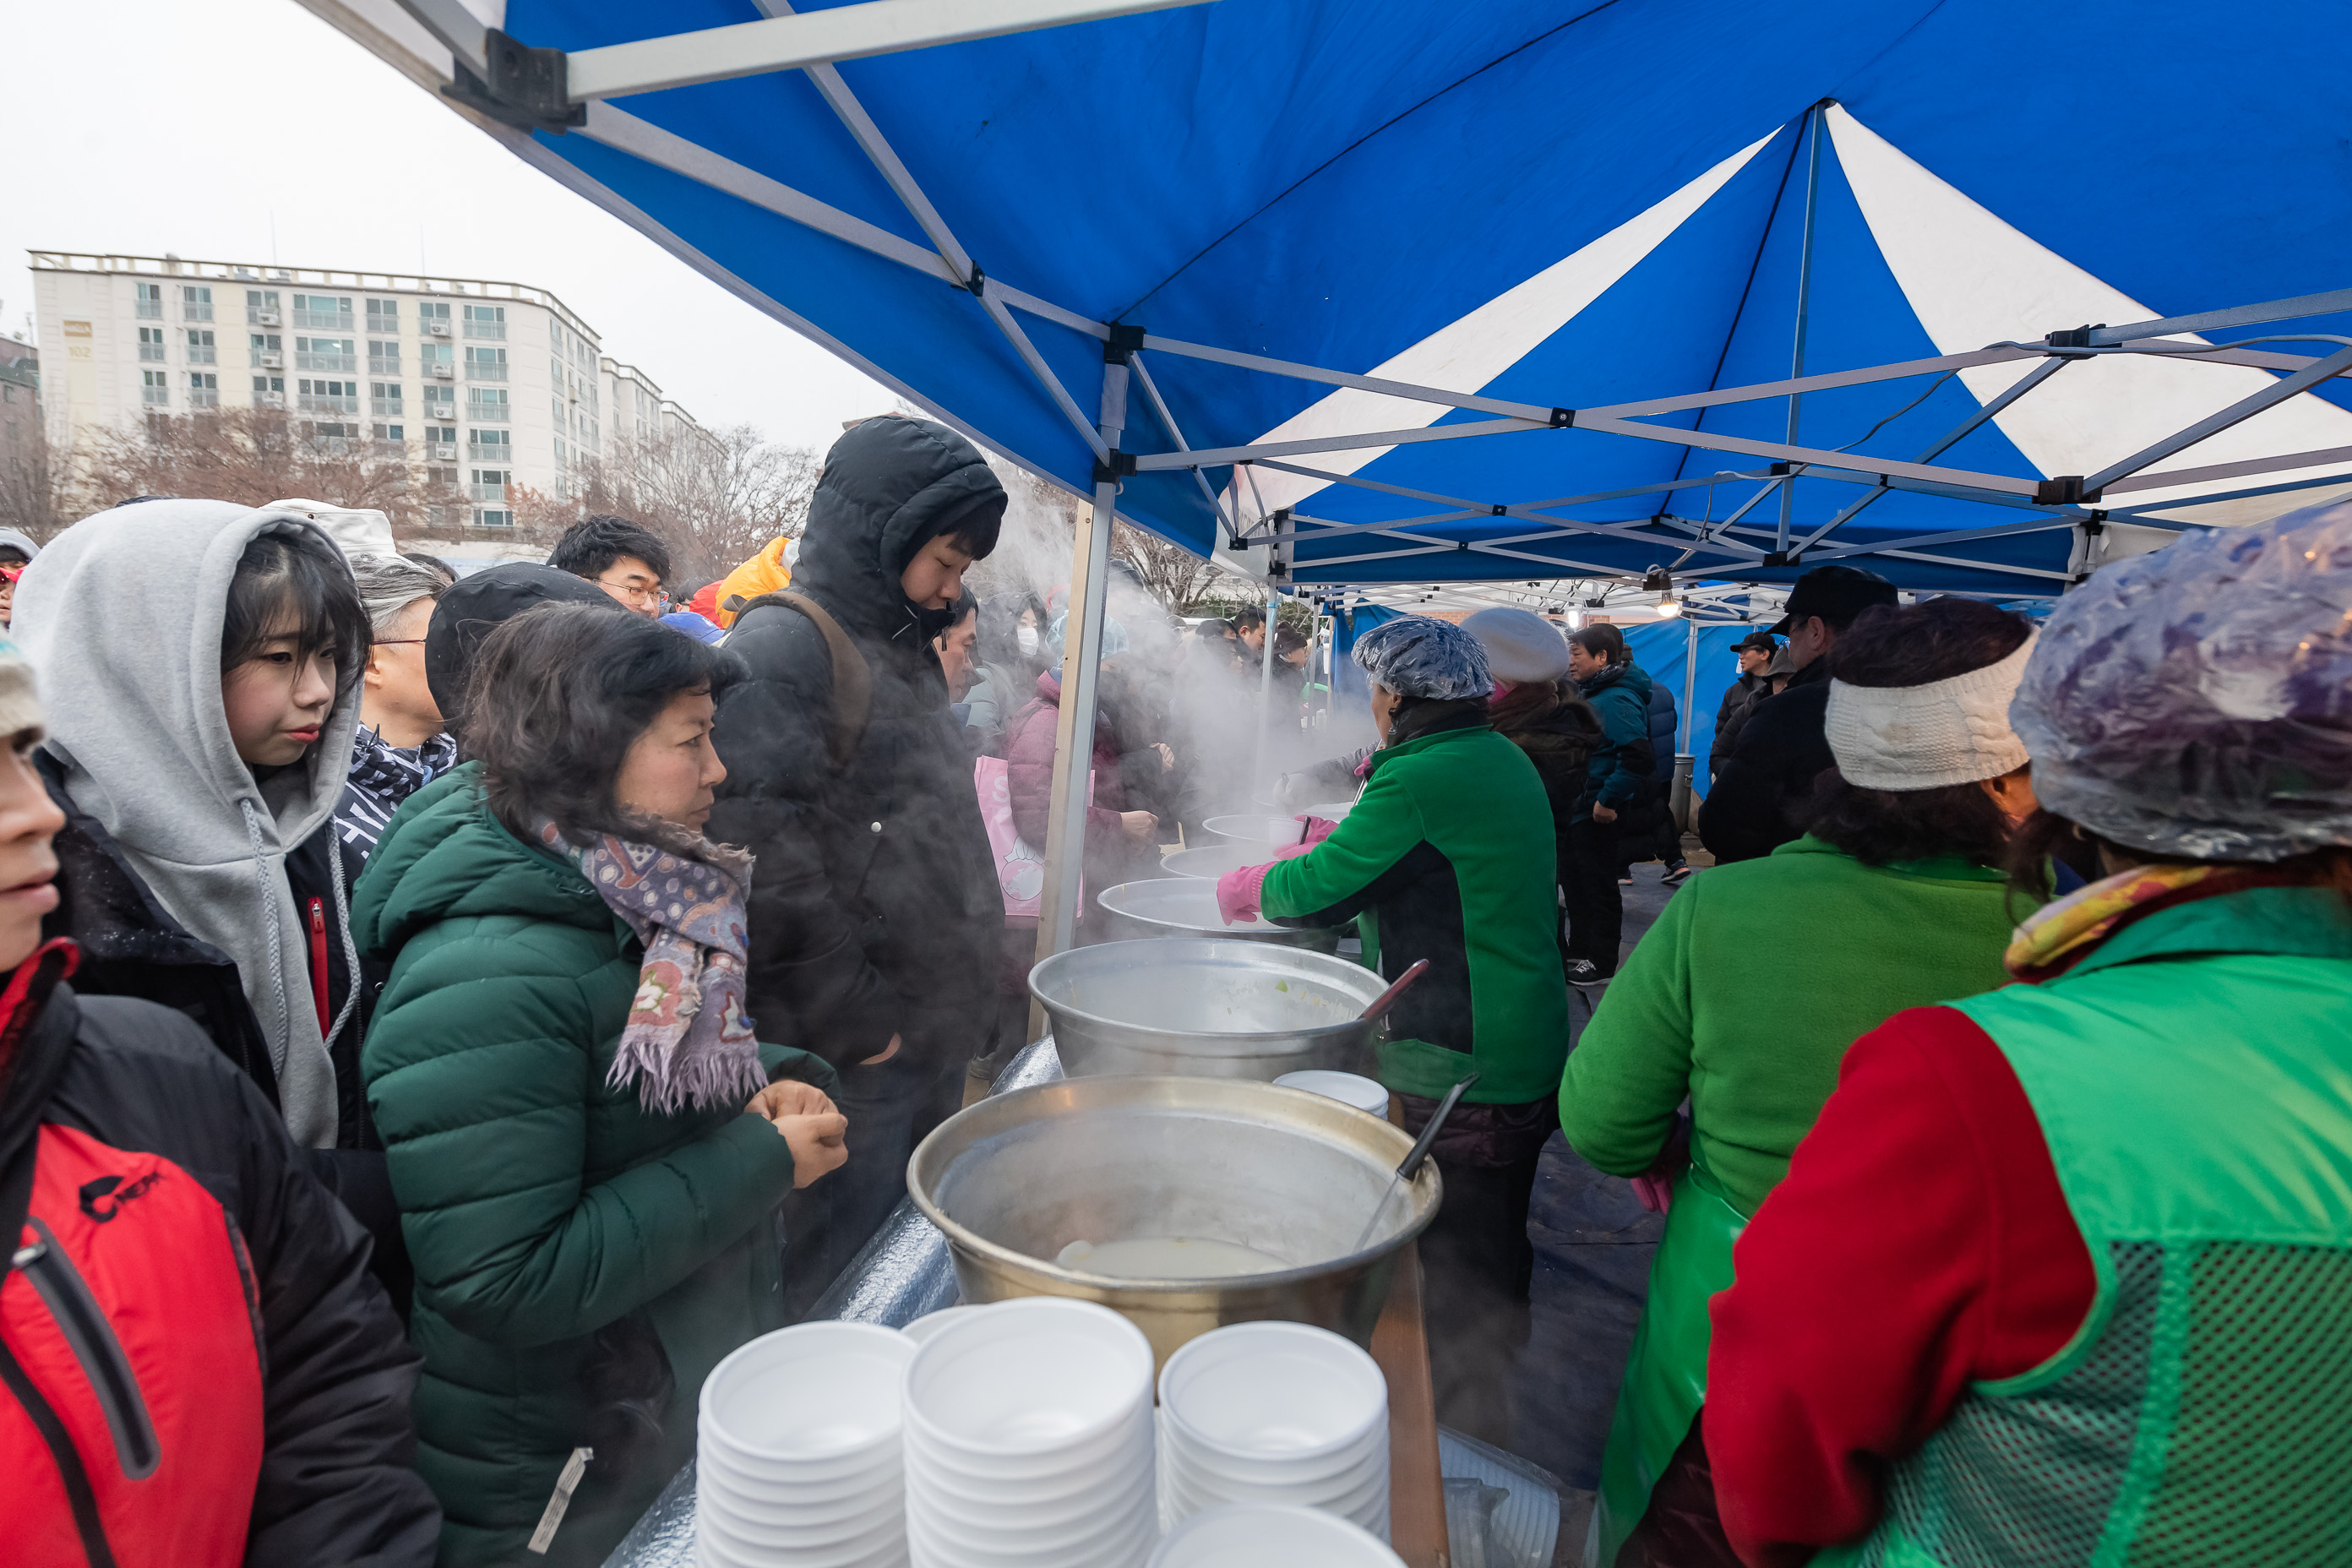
<point x="1583" y="971"/>
<point x="1676" y="876"/>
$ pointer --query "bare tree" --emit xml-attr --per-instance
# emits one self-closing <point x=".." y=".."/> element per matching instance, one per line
<point x="1173" y="575"/>
<point x="37" y="490"/>
<point x="254" y="457"/>
<point x="714" y="498"/>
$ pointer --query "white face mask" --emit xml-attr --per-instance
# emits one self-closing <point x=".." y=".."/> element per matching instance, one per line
<point x="1026" y="637"/>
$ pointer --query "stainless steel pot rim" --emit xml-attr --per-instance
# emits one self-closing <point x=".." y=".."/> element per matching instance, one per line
<point x="1427" y="1179"/>
<point x="1255" y="948"/>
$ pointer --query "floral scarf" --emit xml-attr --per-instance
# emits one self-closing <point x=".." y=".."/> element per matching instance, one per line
<point x="2059" y="935"/>
<point x="686" y="1042"/>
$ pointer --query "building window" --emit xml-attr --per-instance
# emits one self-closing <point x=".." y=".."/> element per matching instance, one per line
<point x="151" y="344"/>
<point x="201" y="349"/>
<point x="268" y="350"/>
<point x="433" y="317"/>
<point x="490" y="445"/>
<point x="261" y="306"/>
<point x="204" y="389"/>
<point x="384" y="359"/>
<point x="149" y="300"/>
<point x="330" y="310"/>
<point x="195" y="303"/>
<point x="488" y="403"/>
<point x="440" y="402"/>
<point x="486" y="364"/>
<point x="434" y="360"/>
<point x="325" y="354"/>
<point x="321" y="396"/>
<point x="486" y="322"/>
<point x="493" y="517"/>
<point x="392" y="440"/>
<point x="383" y="399"/>
<point x="441" y="442"/>
<point x="383" y="316"/>
<point x="269" y="391"/>
<point x="153" y="389"/>
<point x="490" y="484"/>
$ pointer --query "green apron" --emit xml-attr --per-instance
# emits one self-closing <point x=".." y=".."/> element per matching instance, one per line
<point x="1665" y="1373"/>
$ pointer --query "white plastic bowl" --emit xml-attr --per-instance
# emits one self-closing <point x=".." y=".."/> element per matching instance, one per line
<point x="1272" y="1392"/>
<point x="759" y="1502"/>
<point x="819" y="1399"/>
<point x="1258" y="1535"/>
<point x="1366" y="1094"/>
<point x="1120" y="1540"/>
<point x="921" y="1330"/>
<point x="1316" y="1486"/>
<point x="1070" y="1483"/>
<point x="1027" y="1380"/>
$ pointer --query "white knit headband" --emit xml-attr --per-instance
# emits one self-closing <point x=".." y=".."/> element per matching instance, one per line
<point x="1948" y="732"/>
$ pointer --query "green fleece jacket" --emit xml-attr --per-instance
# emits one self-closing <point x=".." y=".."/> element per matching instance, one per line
<point x="542" y="1205"/>
<point x="1746" y="993"/>
<point x="1448" y="855"/>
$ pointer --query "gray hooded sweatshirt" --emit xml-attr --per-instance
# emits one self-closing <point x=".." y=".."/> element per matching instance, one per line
<point x="122" y="617"/>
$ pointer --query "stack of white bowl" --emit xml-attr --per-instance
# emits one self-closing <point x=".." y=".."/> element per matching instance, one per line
<point x="798" y="1451"/>
<point x="1274" y="1412"/>
<point x="1028" y="1440"/>
<point x="1271" y="1535"/>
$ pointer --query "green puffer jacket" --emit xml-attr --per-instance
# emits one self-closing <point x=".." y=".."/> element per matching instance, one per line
<point x="560" y="1232"/>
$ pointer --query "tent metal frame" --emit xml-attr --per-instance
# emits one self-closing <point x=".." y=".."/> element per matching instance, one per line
<point x="506" y="81"/>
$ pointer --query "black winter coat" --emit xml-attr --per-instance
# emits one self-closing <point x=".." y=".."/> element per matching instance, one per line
<point x="1783" y="748"/>
<point x="1557" y="729"/>
<point x="1739" y="701"/>
<point x="337" y="1483"/>
<point x="874" y="909"/>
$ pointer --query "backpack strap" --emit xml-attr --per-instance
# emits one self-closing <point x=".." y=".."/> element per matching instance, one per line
<point x="852" y="682"/>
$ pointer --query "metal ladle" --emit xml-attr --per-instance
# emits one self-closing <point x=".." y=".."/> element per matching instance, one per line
<point x="1411" y="1165"/>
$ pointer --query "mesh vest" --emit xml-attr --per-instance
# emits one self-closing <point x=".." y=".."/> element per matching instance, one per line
<point x="2199" y="1110"/>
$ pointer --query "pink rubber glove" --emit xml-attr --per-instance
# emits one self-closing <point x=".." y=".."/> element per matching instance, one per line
<point x="1237" y="893"/>
<point x="1319" y="829"/>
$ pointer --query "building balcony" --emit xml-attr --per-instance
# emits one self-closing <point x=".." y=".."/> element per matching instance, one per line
<point x="385" y="407"/>
<point x="270" y="400"/>
<point x="151" y="353"/>
<point x="204" y="397"/>
<point x="487" y="493"/>
<point x="494" y="329"/>
<point x="480" y="370"/>
<point x="332" y="319"/>
<point x="150" y="310"/>
<point x="197" y="312"/>
<point x="326" y="361"/>
<point x="326" y="403"/>
<point x="260" y="316"/>
<point x="202" y="353"/>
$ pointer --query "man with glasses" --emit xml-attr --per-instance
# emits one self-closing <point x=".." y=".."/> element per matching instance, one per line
<point x="626" y="559"/>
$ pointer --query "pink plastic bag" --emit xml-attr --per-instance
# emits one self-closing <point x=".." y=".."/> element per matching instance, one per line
<point x="1020" y="868"/>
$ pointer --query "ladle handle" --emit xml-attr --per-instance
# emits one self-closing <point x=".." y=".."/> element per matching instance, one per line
<point x="1387" y="999"/>
<point x="1436" y="1123"/>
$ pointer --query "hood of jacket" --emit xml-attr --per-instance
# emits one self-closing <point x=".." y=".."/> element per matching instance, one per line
<point x="136" y="724"/>
<point x="22" y="543"/>
<point x="889" y="487"/>
<point x="446" y="857"/>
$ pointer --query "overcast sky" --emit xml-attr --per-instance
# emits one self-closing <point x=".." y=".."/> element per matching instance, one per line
<point x="141" y="126"/>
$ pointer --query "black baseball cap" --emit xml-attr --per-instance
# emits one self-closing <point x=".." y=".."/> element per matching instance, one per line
<point x="1763" y="642"/>
<point x="1836" y="593"/>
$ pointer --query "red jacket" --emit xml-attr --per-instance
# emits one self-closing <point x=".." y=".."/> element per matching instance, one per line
<point x="196" y="1369"/>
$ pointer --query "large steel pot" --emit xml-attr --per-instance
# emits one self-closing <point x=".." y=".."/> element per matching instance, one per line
<point x="1187" y="905"/>
<point x="1206" y="1008"/>
<point x="1213" y="861"/>
<point x="1014" y="1180"/>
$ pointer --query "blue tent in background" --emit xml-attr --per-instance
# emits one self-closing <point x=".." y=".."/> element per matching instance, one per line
<point x="1544" y="214"/>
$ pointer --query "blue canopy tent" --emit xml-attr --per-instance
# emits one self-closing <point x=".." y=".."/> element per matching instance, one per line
<point x="1389" y="292"/>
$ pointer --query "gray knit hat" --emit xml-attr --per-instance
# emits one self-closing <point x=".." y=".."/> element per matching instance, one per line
<point x="1416" y="656"/>
<point x="1522" y="648"/>
<point x="20" y="701"/>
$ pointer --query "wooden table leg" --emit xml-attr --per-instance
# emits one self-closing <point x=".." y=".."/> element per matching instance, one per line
<point x="1416" y="1486"/>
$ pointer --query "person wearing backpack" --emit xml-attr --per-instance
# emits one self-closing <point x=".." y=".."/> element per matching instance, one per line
<point x="196" y="1366"/>
<point x="876" y="917"/>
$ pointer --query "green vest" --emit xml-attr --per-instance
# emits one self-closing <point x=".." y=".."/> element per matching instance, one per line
<point x="2193" y="1077"/>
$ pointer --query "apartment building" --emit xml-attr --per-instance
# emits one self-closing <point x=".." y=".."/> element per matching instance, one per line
<point x="20" y="399"/>
<point x="479" y="384"/>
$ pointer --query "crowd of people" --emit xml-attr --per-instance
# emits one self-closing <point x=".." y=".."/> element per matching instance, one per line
<point x="446" y="1014"/>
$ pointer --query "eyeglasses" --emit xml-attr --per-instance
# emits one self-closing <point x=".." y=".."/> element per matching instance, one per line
<point x="631" y="592"/>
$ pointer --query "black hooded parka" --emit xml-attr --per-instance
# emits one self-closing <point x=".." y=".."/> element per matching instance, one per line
<point x="875" y="907"/>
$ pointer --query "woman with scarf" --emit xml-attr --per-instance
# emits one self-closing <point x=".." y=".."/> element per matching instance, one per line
<point x="1447" y="856"/>
<point x="1895" y="899"/>
<point x="587" y="1137"/>
<point x="2063" y="1272"/>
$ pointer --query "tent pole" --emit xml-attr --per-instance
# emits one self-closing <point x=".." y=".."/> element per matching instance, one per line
<point x="1265" y="684"/>
<point x="1678" y="804"/>
<point x="1804" y="309"/>
<point x="1073" y="727"/>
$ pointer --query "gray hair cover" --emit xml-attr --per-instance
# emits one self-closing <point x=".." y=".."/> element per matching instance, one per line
<point x="2198" y="702"/>
<point x="389" y="584"/>
<point x="1414" y="656"/>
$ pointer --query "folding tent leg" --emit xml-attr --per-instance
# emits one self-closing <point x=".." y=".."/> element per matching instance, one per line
<point x="1266" y="691"/>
